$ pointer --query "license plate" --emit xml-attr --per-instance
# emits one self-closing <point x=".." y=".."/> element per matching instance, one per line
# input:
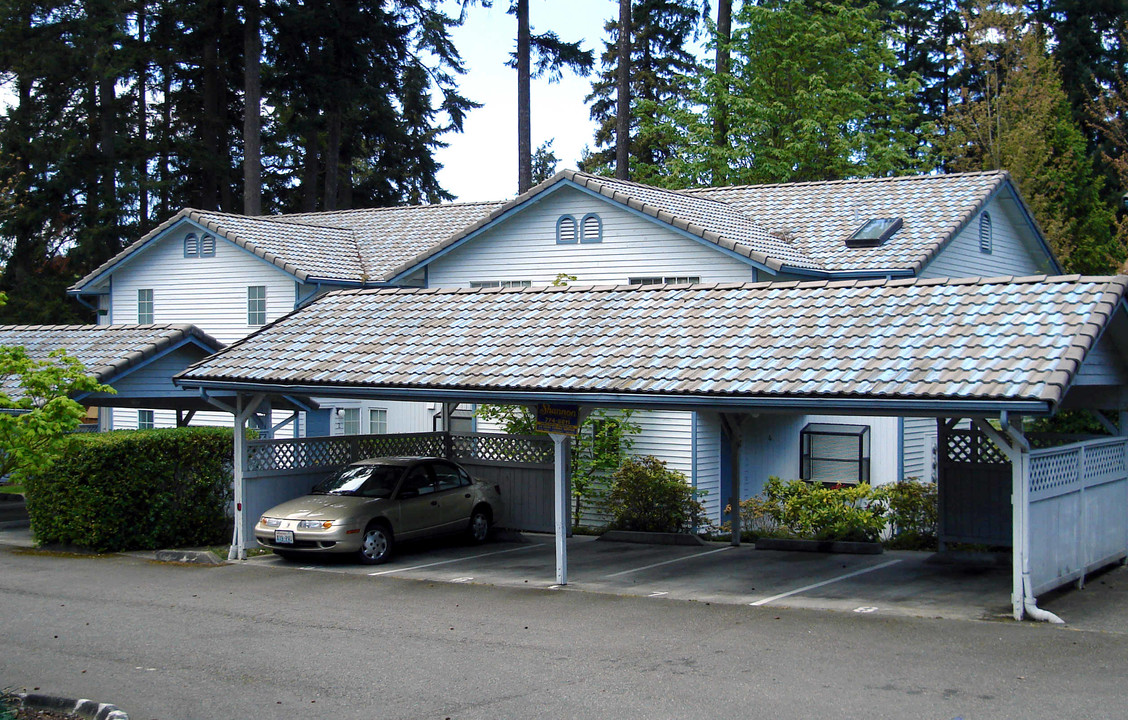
<point x="284" y="537"/>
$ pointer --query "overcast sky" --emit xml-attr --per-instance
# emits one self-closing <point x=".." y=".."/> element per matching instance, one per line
<point x="481" y="163"/>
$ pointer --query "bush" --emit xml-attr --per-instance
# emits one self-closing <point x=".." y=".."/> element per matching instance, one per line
<point x="913" y="514"/>
<point x="810" y="510"/>
<point x="136" y="490"/>
<point x="646" y="495"/>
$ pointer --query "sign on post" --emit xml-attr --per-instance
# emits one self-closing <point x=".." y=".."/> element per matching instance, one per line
<point x="559" y="419"/>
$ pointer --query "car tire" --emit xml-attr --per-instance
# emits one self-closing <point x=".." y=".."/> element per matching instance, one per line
<point x="480" y="525"/>
<point x="376" y="544"/>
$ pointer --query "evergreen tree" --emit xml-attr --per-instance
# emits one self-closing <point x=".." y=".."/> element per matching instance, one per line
<point x="1015" y="115"/>
<point x="662" y="65"/>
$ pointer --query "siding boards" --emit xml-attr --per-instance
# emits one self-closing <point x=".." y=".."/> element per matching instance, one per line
<point x="1013" y="252"/>
<point x="524" y="248"/>
<point x="1103" y="366"/>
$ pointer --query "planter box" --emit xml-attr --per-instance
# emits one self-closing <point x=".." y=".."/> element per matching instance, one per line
<point x="651" y="538"/>
<point x="822" y="546"/>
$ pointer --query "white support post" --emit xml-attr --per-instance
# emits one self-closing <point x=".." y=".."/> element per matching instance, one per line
<point x="561" y="507"/>
<point x="1020" y="538"/>
<point x="244" y="409"/>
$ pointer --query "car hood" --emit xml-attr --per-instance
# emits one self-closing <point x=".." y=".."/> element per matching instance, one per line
<point x="322" y="507"/>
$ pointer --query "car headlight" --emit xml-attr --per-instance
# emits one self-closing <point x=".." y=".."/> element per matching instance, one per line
<point x="270" y="522"/>
<point x="315" y="524"/>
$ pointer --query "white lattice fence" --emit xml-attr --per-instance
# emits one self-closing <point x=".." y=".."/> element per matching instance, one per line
<point x="507" y="449"/>
<point x="281" y="456"/>
<point x="1078" y="510"/>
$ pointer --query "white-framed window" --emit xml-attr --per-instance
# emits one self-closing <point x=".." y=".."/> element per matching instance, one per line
<point x="377" y="421"/>
<point x="835" y="454"/>
<point x="567" y="230"/>
<point x="145" y="306"/>
<point x="591" y="229"/>
<point x="986" y="234"/>
<point x="350" y="421"/>
<point x="665" y="279"/>
<point x="500" y="283"/>
<point x="145" y="420"/>
<point x="256" y="305"/>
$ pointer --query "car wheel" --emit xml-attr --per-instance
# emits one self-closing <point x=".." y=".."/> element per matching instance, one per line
<point x="376" y="544"/>
<point x="480" y="525"/>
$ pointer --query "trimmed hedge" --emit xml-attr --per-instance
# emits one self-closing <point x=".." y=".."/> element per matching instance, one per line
<point x="136" y="490"/>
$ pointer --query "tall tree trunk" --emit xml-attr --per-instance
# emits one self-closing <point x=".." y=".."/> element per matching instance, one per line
<point x="524" y="108"/>
<point x="310" y="172"/>
<point x="623" y="105"/>
<point x="210" y="122"/>
<point x="332" y="159"/>
<point x="724" y="36"/>
<point x="252" y="120"/>
<point x="142" y="121"/>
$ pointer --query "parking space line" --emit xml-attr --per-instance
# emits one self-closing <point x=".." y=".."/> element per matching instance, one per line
<point x="847" y="576"/>
<point x="666" y="562"/>
<point x="447" y="562"/>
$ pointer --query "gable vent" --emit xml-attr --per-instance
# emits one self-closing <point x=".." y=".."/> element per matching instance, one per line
<point x="874" y="233"/>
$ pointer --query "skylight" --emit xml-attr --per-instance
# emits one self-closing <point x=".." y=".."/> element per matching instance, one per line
<point x="874" y="233"/>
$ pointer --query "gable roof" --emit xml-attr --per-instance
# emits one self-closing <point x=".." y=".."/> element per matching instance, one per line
<point x="352" y="246"/>
<point x="864" y="346"/>
<point x="796" y="227"/>
<point x="106" y="351"/>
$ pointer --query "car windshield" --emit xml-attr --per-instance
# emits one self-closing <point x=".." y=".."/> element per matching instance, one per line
<point x="366" y="480"/>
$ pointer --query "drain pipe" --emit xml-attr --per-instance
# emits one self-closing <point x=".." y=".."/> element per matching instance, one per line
<point x="1030" y="603"/>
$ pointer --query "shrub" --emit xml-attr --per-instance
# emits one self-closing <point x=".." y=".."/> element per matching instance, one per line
<point x="810" y="510"/>
<point x="913" y="514"/>
<point x="136" y="490"/>
<point x="646" y="495"/>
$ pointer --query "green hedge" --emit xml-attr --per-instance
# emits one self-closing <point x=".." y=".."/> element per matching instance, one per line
<point x="136" y="490"/>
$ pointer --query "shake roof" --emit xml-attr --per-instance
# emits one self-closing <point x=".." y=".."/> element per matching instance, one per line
<point x="999" y="339"/>
<point x="106" y="351"/>
<point x="801" y="226"/>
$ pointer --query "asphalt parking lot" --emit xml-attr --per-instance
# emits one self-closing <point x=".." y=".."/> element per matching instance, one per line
<point x="897" y="583"/>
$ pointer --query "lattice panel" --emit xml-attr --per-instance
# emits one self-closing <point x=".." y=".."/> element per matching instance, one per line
<point x="503" y="448"/>
<point x="971" y="446"/>
<point x="1104" y="462"/>
<point x="1054" y="470"/>
<point x="390" y="445"/>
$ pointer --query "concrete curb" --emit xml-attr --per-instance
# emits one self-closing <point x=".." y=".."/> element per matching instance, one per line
<point x="198" y="557"/>
<point x="87" y="709"/>
<point x="650" y="538"/>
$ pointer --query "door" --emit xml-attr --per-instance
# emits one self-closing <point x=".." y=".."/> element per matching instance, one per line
<point x="456" y="498"/>
<point x="418" y="503"/>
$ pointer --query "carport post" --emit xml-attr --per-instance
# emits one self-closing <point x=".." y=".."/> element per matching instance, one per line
<point x="244" y="409"/>
<point x="561" y="507"/>
<point x="733" y="425"/>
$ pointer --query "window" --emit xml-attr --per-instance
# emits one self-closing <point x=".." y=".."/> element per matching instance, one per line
<point x="191" y="245"/>
<point x="207" y="246"/>
<point x="350" y="421"/>
<point x="145" y="307"/>
<point x="256" y="305"/>
<point x="378" y="421"/>
<point x="591" y="229"/>
<point x="500" y="283"/>
<point x="874" y="233"/>
<point x="835" y="454"/>
<point x="567" y="231"/>
<point x="448" y="477"/>
<point x="985" y="239"/>
<point x="145" y="420"/>
<point x="666" y="279"/>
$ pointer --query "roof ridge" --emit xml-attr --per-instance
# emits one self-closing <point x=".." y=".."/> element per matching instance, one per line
<point x="684" y="192"/>
<point x="389" y="208"/>
<point x="848" y="181"/>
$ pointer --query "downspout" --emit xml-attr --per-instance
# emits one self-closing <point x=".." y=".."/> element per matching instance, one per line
<point x="1021" y="450"/>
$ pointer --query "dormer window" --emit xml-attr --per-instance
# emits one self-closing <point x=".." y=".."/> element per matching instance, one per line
<point x="874" y="233"/>
<point x="591" y="229"/>
<point x="985" y="234"/>
<point x="567" y="230"/>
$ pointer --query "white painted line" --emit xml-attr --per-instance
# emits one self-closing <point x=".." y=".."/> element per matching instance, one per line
<point x="462" y="579"/>
<point x="865" y="609"/>
<point x="447" y="562"/>
<point x="657" y="594"/>
<point x="667" y="562"/>
<point x="863" y="571"/>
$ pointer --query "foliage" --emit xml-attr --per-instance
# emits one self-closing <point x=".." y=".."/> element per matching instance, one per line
<point x="1013" y="114"/>
<point x="647" y="496"/>
<point x="811" y="510"/>
<point x="912" y="513"/>
<point x="32" y="439"/>
<point x="661" y="60"/>
<point x="545" y="162"/>
<point x="136" y="490"/>
<point x="812" y="94"/>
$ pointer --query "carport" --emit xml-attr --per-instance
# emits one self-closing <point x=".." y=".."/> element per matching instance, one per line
<point x="994" y="351"/>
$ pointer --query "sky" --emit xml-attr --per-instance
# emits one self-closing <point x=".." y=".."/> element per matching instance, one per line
<point x="481" y="163"/>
